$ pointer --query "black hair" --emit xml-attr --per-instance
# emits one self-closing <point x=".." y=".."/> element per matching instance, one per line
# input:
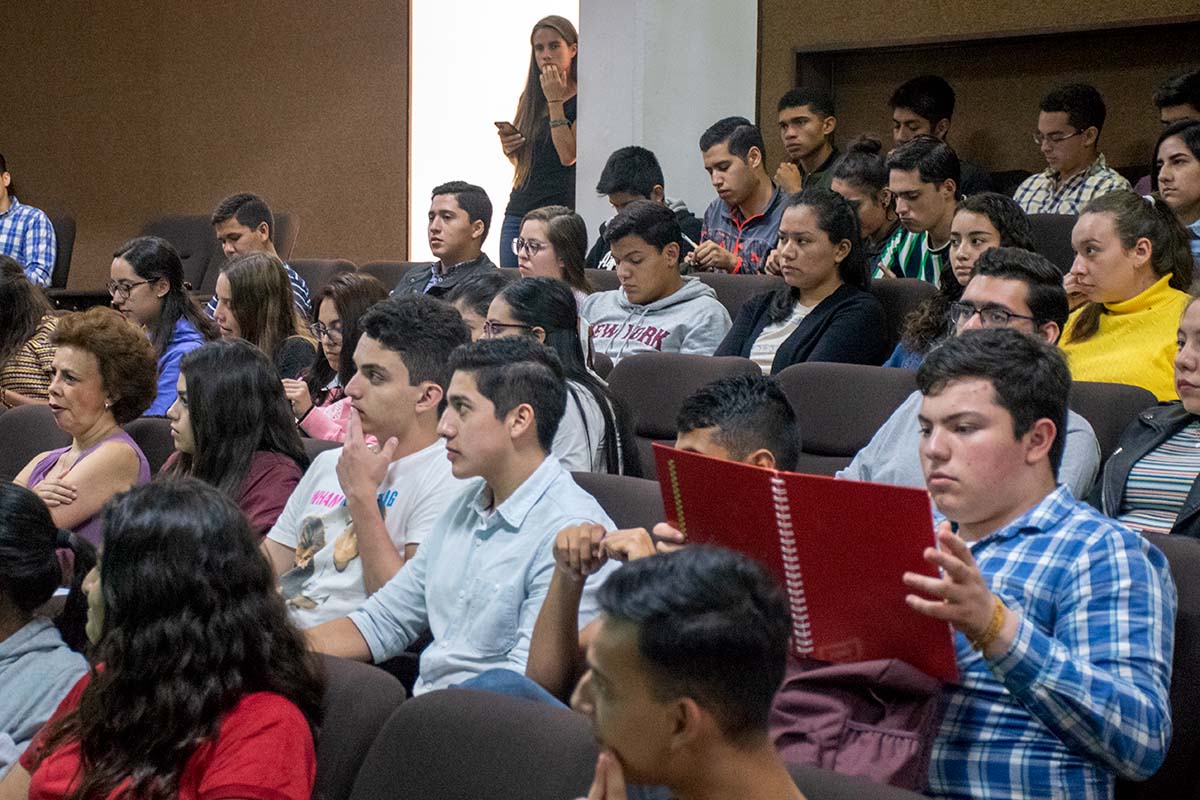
<point x="25" y="308"/>
<point x="819" y="100"/>
<point x="249" y="209"/>
<point x="29" y="567"/>
<point x="935" y="161"/>
<point x="1006" y="216"/>
<point x="750" y="412"/>
<point x="930" y="97"/>
<point x="237" y="407"/>
<point x="423" y="330"/>
<point x="351" y="293"/>
<point x="550" y="305"/>
<point x="653" y="222"/>
<point x="192" y="624"/>
<point x="3" y="164"/>
<point x="839" y="221"/>
<point x="863" y="165"/>
<point x="1188" y="130"/>
<point x="479" y="289"/>
<point x="1081" y="102"/>
<point x="633" y="169"/>
<point x="738" y="133"/>
<point x="711" y="625"/>
<point x="1045" y="295"/>
<point x="1029" y="377"/>
<point x="471" y="199"/>
<point x="1179" y="90"/>
<point x="513" y="371"/>
<point x="155" y="259"/>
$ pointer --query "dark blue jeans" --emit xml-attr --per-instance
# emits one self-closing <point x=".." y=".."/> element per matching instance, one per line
<point x="510" y="230"/>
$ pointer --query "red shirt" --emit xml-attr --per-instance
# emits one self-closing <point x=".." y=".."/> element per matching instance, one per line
<point x="263" y="751"/>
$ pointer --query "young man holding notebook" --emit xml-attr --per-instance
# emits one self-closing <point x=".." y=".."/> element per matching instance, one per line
<point x="1066" y="618"/>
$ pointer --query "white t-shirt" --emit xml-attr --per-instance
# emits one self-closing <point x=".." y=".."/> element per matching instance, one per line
<point x="327" y="580"/>
<point x="762" y="352"/>
<point x="579" y="442"/>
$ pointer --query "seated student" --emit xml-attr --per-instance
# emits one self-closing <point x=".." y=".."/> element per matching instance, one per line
<point x="552" y="244"/>
<point x="1011" y="288"/>
<point x="204" y="688"/>
<point x="244" y="224"/>
<point x="1177" y="99"/>
<point x="923" y="177"/>
<point x="633" y="173"/>
<point x="1065" y="620"/>
<point x="233" y="429"/>
<point x="254" y="302"/>
<point x="26" y="234"/>
<point x="26" y="326"/>
<point x="359" y="514"/>
<point x="102" y="377"/>
<point x="1133" y="267"/>
<point x="472" y="296"/>
<point x="596" y="433"/>
<point x="806" y="126"/>
<point x="982" y="221"/>
<point x="478" y="581"/>
<point x="656" y="309"/>
<point x="460" y="215"/>
<point x="317" y="399"/>
<point x="1177" y="176"/>
<point x="741" y="226"/>
<point x="681" y="676"/>
<point x="861" y="176"/>
<point x="824" y="312"/>
<point x="1068" y="134"/>
<point x="37" y="667"/>
<point x="146" y="285"/>
<point x="925" y="106"/>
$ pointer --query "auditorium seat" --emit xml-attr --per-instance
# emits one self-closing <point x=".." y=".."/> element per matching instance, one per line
<point x="631" y="502"/>
<point x="1109" y="407"/>
<point x="602" y="365"/>
<point x="64" y="239"/>
<point x="899" y="298"/>
<point x="153" y="436"/>
<point x="388" y="272"/>
<point x="314" y="447"/>
<point x="825" y="784"/>
<point x="734" y="290"/>
<point x="358" y="700"/>
<point x="1052" y="238"/>
<point x="602" y="280"/>
<point x="318" y="272"/>
<point x="653" y="387"/>
<point x="26" y="431"/>
<point x="840" y="407"/>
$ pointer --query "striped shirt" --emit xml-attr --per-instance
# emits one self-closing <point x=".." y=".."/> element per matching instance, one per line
<point x="1159" y="482"/>
<point x="908" y="255"/>
<point x="27" y="236"/>
<point x="28" y="371"/>
<point x="1043" y="194"/>
<point x="1081" y="697"/>
<point x="299" y="295"/>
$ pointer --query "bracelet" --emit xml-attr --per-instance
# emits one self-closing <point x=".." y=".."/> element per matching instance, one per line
<point x="304" y="416"/>
<point x="993" y="629"/>
<point x="558" y="123"/>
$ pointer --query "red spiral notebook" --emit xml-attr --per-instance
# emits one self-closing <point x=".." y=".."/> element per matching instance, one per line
<point x="839" y="549"/>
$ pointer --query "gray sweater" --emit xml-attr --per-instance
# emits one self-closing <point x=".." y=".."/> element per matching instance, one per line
<point x="690" y="321"/>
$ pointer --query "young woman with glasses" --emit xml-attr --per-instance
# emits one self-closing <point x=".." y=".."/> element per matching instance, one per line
<point x="553" y="244"/>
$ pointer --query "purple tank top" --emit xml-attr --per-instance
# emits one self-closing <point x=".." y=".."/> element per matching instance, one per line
<point x="90" y="528"/>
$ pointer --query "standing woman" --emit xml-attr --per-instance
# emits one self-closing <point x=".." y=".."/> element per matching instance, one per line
<point x="146" y="285"/>
<point x="1176" y="176"/>
<point x="553" y="244"/>
<point x="26" y="324"/>
<point x="255" y="303"/>
<point x="540" y="141"/>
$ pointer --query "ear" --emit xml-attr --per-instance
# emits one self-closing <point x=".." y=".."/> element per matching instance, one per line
<point x="1143" y="251"/>
<point x="520" y="421"/>
<point x="754" y="157"/>
<point x="671" y="251"/>
<point x="884" y="197"/>
<point x="941" y="129"/>
<point x="949" y="188"/>
<point x="761" y="457"/>
<point x="658" y="194"/>
<point x="1090" y="136"/>
<point x="841" y="250"/>
<point x="1050" y="332"/>
<point x="6" y="179"/>
<point x="431" y="397"/>
<point x="477" y="229"/>
<point x="161" y="287"/>
<point x="1039" y="439"/>
<point x="539" y="333"/>
<point x="691" y="724"/>
<point x="264" y="230"/>
<point x="829" y="125"/>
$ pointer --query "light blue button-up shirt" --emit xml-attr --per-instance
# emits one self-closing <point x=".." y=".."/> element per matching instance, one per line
<point x="479" y="579"/>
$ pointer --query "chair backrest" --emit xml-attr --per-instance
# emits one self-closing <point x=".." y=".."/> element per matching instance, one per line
<point x="631" y="502"/>
<point x="287" y="231"/>
<point x="653" y="387"/>
<point x="389" y="273"/>
<point x="840" y="407"/>
<point x="602" y="280"/>
<point x="153" y="436"/>
<point x="1179" y="775"/>
<point x="1052" y="238"/>
<point x="26" y="431"/>
<point x="734" y="290"/>
<point x="829" y="785"/>
<point x="318" y="272"/>
<point x="1109" y="407"/>
<point x="602" y="365"/>
<point x="899" y="298"/>
<point x="64" y="238"/>
<point x="459" y="744"/>
<point x="314" y="447"/>
<point x="358" y="700"/>
<point x="192" y="237"/>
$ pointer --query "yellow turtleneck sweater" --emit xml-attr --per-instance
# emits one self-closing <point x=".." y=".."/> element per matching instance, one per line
<point x="1135" y="344"/>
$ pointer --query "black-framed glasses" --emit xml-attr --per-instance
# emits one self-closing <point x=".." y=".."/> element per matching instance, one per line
<point x="493" y="329"/>
<point x="989" y="316"/>
<point x="531" y="246"/>
<point x="123" y="288"/>
<point x="320" y="330"/>
<point x="1054" y="138"/>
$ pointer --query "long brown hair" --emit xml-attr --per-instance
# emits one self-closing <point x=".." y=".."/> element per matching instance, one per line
<point x="567" y="234"/>
<point x="532" y="111"/>
<point x="24" y="307"/>
<point x="262" y="302"/>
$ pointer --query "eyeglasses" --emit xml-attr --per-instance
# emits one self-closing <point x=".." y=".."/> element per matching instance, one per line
<point x="989" y="316"/>
<point x="320" y="331"/>
<point x="531" y="246"/>
<point x="1054" y="138"/>
<point x="123" y="288"/>
<point x="493" y="329"/>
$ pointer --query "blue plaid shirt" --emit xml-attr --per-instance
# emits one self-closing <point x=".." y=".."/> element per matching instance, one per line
<point x="299" y="295"/>
<point x="1081" y="697"/>
<point x="27" y="236"/>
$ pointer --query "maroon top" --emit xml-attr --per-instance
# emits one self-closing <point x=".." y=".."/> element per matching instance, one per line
<point x="265" y="490"/>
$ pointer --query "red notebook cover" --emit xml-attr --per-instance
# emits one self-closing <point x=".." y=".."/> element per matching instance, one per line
<point x="839" y="549"/>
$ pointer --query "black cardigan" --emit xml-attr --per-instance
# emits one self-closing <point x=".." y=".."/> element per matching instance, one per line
<point x="848" y="327"/>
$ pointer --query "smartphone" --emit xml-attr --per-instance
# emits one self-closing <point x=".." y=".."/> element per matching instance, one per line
<point x="507" y="127"/>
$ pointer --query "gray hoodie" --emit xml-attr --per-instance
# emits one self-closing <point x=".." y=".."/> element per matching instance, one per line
<point x="690" y="321"/>
<point x="37" y="669"/>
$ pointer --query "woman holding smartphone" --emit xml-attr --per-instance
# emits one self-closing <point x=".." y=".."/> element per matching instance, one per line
<point x="540" y="141"/>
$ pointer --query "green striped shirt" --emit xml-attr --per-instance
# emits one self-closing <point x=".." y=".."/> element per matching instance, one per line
<point x="908" y="255"/>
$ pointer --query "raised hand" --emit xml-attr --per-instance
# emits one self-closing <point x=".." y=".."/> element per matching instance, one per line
<point x="554" y="83"/>
<point x="788" y="178"/>
<point x="362" y="468"/>
<point x="579" y="551"/>
<point x="297" y="394"/>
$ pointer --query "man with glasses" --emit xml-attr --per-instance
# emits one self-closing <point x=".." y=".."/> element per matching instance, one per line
<point x="460" y="215"/>
<point x="1009" y="288"/>
<point x="1068" y="134"/>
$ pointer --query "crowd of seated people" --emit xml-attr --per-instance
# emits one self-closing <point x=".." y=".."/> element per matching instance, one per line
<point x="458" y="403"/>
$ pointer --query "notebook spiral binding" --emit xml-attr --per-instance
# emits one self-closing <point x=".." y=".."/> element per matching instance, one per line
<point x="678" y="497"/>
<point x="802" y="639"/>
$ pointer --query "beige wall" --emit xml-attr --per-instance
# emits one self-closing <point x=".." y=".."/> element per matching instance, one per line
<point x="125" y="113"/>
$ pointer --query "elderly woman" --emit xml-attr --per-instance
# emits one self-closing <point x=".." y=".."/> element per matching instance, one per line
<point x="102" y="376"/>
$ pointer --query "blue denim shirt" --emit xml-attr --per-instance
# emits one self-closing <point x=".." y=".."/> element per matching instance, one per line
<point x="479" y="579"/>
